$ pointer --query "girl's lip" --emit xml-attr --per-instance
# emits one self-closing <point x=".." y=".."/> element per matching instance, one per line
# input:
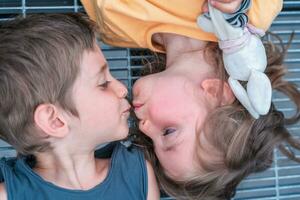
<point x="137" y="105"/>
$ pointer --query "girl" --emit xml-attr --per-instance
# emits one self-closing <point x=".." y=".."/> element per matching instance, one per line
<point x="206" y="142"/>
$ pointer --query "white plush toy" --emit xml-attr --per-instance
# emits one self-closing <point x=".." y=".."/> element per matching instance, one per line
<point x="244" y="58"/>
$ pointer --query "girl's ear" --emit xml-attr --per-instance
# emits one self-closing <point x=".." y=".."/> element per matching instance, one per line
<point x="50" y="120"/>
<point x="218" y="92"/>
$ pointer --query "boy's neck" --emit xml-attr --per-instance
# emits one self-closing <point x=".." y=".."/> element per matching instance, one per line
<point x="176" y="45"/>
<point x="72" y="171"/>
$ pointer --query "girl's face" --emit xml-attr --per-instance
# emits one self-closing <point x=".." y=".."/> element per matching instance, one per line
<point x="172" y="107"/>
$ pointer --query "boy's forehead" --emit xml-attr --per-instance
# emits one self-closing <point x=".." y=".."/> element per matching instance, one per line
<point x="93" y="61"/>
<point x="93" y="65"/>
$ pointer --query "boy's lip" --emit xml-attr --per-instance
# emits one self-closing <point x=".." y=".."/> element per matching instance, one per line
<point x="127" y="110"/>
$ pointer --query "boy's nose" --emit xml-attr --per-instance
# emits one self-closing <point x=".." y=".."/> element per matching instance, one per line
<point x="120" y="89"/>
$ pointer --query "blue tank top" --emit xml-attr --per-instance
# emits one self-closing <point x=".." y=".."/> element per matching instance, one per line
<point x="126" y="179"/>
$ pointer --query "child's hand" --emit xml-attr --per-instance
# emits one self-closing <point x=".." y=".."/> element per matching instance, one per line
<point x="225" y="6"/>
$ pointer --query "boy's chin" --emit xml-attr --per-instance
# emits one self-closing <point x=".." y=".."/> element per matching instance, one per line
<point x="123" y="133"/>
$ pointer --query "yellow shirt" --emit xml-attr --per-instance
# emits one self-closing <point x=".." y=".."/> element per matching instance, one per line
<point x="131" y="23"/>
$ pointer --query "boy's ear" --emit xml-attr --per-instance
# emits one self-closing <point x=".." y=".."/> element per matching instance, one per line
<point x="49" y="118"/>
<point x="218" y="92"/>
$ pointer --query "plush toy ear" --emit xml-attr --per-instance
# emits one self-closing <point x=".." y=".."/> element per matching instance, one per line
<point x="259" y="90"/>
<point x="50" y="120"/>
<point x="242" y="96"/>
<point x="217" y="92"/>
<point x="205" y="24"/>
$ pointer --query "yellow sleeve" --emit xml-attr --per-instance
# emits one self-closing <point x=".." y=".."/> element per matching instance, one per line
<point x="89" y="8"/>
<point x="262" y="13"/>
<point x="131" y="23"/>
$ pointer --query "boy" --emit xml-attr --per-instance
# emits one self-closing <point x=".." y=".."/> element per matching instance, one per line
<point x="58" y="103"/>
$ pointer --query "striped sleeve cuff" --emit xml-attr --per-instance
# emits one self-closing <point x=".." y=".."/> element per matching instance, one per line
<point x="238" y="18"/>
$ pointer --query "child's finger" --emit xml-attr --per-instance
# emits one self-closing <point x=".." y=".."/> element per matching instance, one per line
<point x="225" y="7"/>
<point x="205" y="7"/>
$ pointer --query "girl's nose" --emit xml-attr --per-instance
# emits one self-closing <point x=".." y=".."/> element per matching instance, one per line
<point x="137" y="88"/>
<point x="142" y="87"/>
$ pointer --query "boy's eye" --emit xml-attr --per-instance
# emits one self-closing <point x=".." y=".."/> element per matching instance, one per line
<point x="168" y="131"/>
<point x="104" y="85"/>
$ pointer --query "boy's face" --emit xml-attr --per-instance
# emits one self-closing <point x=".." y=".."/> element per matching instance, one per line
<point x="100" y="101"/>
<point x="172" y="108"/>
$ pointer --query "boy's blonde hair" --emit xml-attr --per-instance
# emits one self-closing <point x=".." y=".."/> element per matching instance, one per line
<point x="39" y="62"/>
<point x="246" y="144"/>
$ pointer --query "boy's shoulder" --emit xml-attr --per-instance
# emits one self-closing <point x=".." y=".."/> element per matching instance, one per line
<point x="6" y="167"/>
<point x="3" y="194"/>
<point x="6" y="164"/>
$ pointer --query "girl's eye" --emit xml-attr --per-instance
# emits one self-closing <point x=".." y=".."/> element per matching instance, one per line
<point x="168" y="131"/>
<point x="105" y="84"/>
<point x="171" y="138"/>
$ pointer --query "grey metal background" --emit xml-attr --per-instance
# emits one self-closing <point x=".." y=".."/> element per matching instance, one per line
<point x="282" y="181"/>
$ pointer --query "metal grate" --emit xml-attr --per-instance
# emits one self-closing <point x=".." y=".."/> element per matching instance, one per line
<point x="282" y="181"/>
